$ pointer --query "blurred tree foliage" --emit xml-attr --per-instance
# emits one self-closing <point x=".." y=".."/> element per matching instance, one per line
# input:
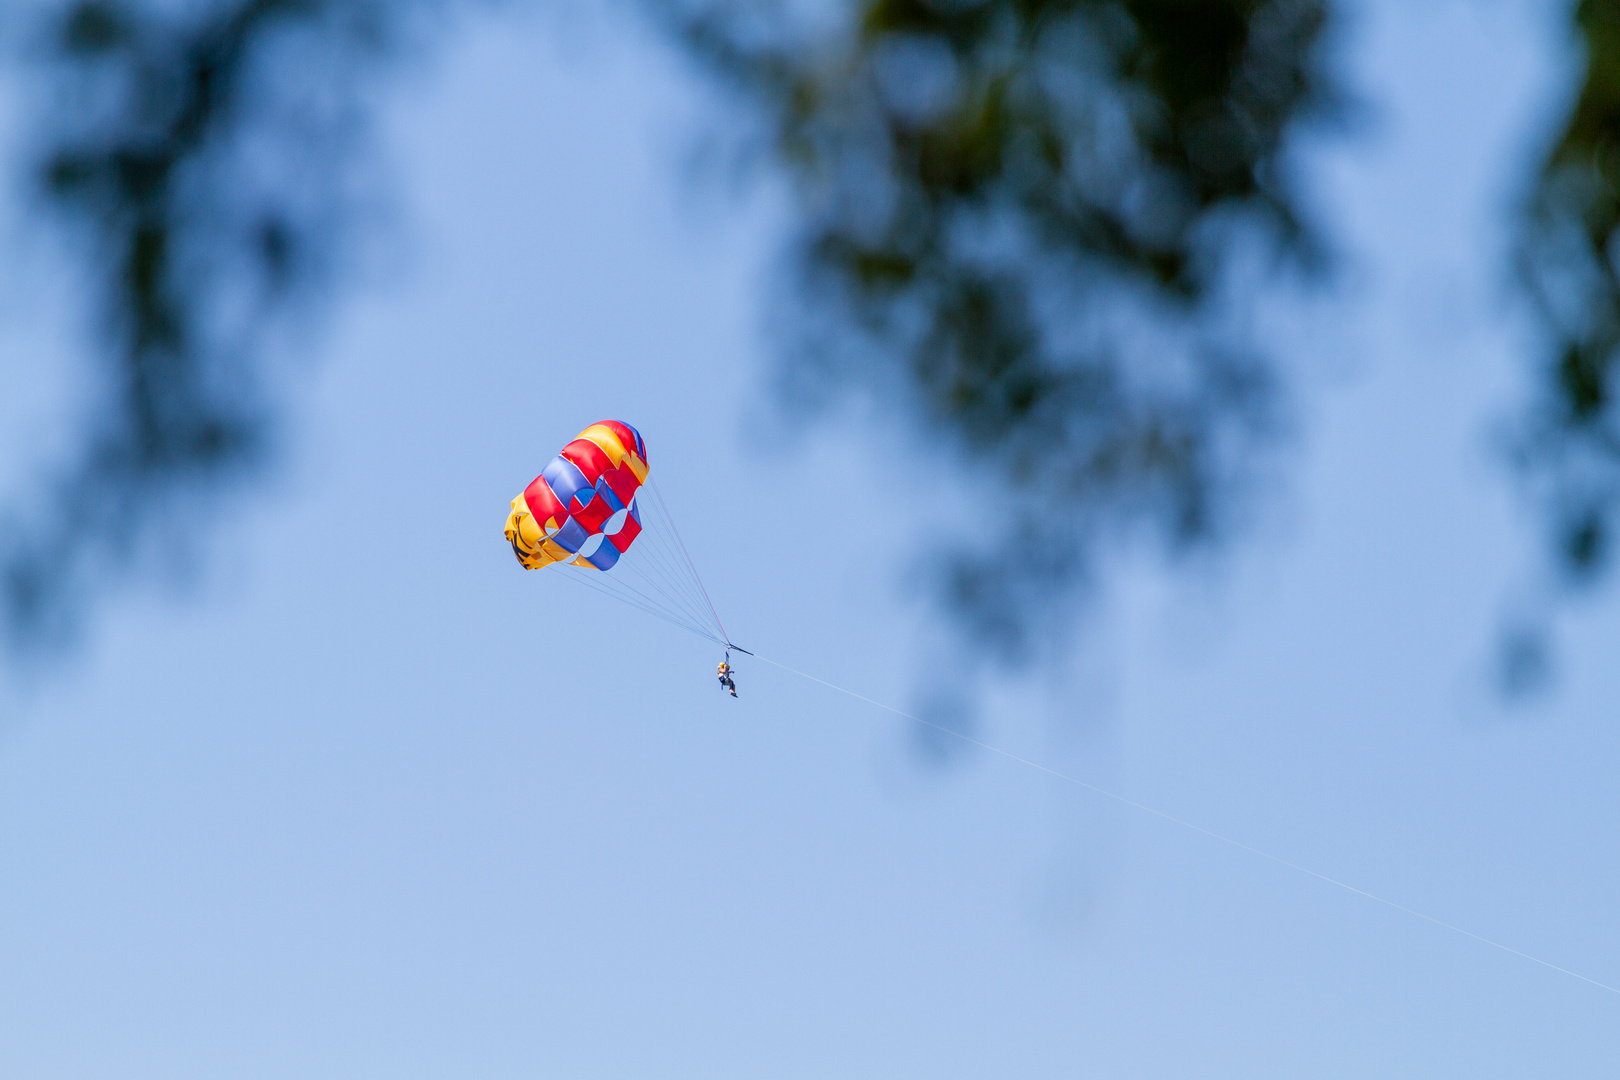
<point x="1036" y="225"/>
<point x="1570" y="258"/>
<point x="198" y="159"/>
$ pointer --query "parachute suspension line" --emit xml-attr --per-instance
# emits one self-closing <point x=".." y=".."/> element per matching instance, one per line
<point x="628" y="594"/>
<point x="618" y="587"/>
<point x="651" y="582"/>
<point x="1105" y="793"/>
<point x="607" y="464"/>
<point x="657" y="599"/>
<point x="657" y="576"/>
<point x="663" y="556"/>
<point x="656" y="579"/>
<point x="658" y="498"/>
<point x="662" y="559"/>
<point x="651" y="560"/>
<point x="656" y="611"/>
<point x="652" y="565"/>
<point x="618" y="583"/>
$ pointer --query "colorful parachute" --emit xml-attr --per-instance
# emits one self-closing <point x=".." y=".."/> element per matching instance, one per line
<point x="581" y="510"/>
<point x="586" y="508"/>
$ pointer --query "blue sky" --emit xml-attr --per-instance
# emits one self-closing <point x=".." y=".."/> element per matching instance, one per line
<point x="369" y="801"/>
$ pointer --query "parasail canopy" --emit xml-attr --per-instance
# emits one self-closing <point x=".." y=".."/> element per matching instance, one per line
<point x="581" y="510"/>
<point x="585" y="510"/>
